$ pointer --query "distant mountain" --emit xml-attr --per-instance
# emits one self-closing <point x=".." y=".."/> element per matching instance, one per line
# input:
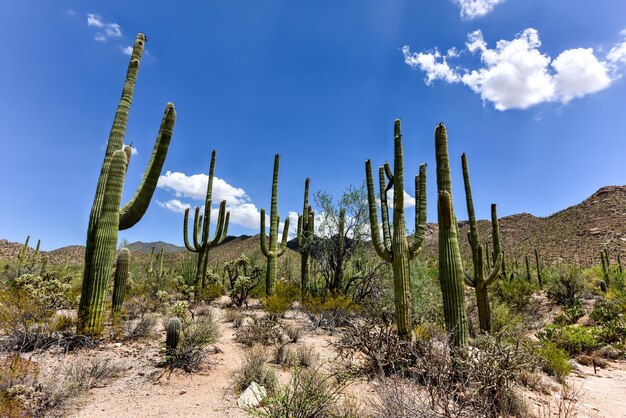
<point x="575" y="234"/>
<point x="146" y="247"/>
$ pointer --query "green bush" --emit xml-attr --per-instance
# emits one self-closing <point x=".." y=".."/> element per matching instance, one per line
<point x="516" y="293"/>
<point x="607" y="310"/>
<point x="573" y="339"/>
<point x="567" y="288"/>
<point x="554" y="361"/>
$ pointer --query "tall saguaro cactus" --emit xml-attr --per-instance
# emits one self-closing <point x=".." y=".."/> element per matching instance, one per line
<point x="395" y="249"/>
<point x="306" y="235"/>
<point x="106" y="216"/>
<point x="451" y="276"/>
<point x="275" y="249"/>
<point x="202" y="243"/>
<point x="120" y="279"/>
<point x="483" y="277"/>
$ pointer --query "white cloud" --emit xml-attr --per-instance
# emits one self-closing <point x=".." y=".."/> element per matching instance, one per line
<point x="174" y="205"/>
<point x="427" y="61"/>
<point x="409" y="201"/>
<point x="471" y="9"/>
<point x="128" y="50"/>
<point x="517" y="75"/>
<point x="105" y="30"/>
<point x="194" y="187"/>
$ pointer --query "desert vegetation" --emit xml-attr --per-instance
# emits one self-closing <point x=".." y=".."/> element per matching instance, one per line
<point x="354" y="317"/>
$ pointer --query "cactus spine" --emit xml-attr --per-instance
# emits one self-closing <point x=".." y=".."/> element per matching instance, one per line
<point x="483" y="277"/>
<point x="451" y="277"/>
<point x="120" y="279"/>
<point x="174" y="328"/>
<point x="274" y="250"/>
<point x="106" y="217"/>
<point x="202" y="243"/>
<point x="395" y="249"/>
<point x="306" y="235"/>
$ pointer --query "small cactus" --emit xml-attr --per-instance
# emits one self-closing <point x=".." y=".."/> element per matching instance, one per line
<point x="174" y="329"/>
<point x="119" y="283"/>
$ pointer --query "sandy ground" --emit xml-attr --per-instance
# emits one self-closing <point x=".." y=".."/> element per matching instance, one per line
<point x="143" y="390"/>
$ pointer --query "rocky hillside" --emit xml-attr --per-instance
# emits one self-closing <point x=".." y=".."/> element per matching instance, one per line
<point x="575" y="234"/>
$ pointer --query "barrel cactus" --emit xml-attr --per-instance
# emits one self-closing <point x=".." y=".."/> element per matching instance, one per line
<point x="275" y="249"/>
<point x="106" y="216"/>
<point x="174" y="328"/>
<point x="119" y="281"/>
<point x="394" y="246"/>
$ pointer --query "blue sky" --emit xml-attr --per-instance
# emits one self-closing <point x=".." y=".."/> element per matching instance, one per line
<point x="536" y="98"/>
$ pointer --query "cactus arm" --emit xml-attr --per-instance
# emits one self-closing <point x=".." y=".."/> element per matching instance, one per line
<point x="420" y="212"/>
<point x="495" y="271"/>
<point x="186" y="232"/>
<point x="469" y="280"/>
<point x="285" y="238"/>
<point x="299" y="232"/>
<point x="262" y="235"/>
<point x="136" y="207"/>
<point x="495" y="230"/>
<point x="197" y="224"/>
<point x="389" y="175"/>
<point x="226" y="223"/>
<point x="219" y="231"/>
<point x="373" y="212"/>
<point x="384" y="208"/>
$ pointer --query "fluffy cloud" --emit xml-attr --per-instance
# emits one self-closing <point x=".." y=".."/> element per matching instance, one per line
<point x="471" y="9"/>
<point x="517" y="75"/>
<point x="105" y="31"/>
<point x="128" y="50"/>
<point x="409" y="201"/>
<point x="174" y="205"/>
<point x="195" y="186"/>
<point x="242" y="211"/>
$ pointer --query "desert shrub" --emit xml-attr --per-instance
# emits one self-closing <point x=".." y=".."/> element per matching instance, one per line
<point x="211" y="292"/>
<point x="311" y="393"/>
<point x="139" y="329"/>
<point x="554" y="360"/>
<point x="427" y="300"/>
<point x="571" y="338"/>
<point x="567" y="287"/>
<point x="49" y="289"/>
<point x="606" y="310"/>
<point x="480" y="382"/>
<point x="264" y="330"/>
<point x="612" y="332"/>
<point x="571" y="313"/>
<point x="284" y="355"/>
<point x="86" y="373"/>
<point x="277" y="304"/>
<point x="331" y="312"/>
<point x="255" y="369"/>
<point x="379" y="344"/>
<point x="192" y="348"/>
<point x="26" y="322"/>
<point x="516" y="293"/>
<point x="503" y="320"/>
<point x="293" y="331"/>
<point x="305" y="356"/>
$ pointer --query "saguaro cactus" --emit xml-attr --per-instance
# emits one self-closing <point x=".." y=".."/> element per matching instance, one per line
<point x="202" y="243"/>
<point x="483" y="277"/>
<point x="395" y="249"/>
<point x="106" y="217"/>
<point x="119" y="282"/>
<point x="306" y="235"/>
<point x="274" y="250"/>
<point x="528" y="276"/>
<point x="451" y="277"/>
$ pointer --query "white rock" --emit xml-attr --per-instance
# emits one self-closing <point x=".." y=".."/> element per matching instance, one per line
<point x="252" y="396"/>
